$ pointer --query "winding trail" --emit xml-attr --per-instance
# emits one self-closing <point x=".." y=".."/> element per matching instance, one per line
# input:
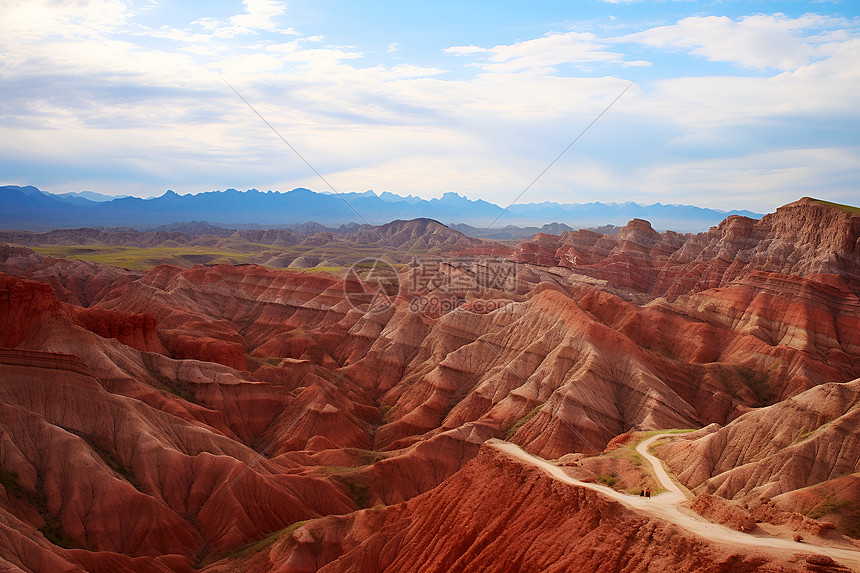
<point x="668" y="506"/>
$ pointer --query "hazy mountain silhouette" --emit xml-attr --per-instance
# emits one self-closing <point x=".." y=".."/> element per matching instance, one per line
<point x="28" y="208"/>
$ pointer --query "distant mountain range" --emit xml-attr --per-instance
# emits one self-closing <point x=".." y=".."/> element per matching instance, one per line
<point x="28" y="208"/>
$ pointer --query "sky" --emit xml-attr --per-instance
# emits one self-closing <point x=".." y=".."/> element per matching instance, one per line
<point x="723" y="104"/>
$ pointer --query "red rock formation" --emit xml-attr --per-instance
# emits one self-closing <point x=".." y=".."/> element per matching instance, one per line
<point x="497" y="514"/>
<point x="724" y="512"/>
<point x="772" y="452"/>
<point x="806" y="238"/>
<point x="222" y="403"/>
<point x="804" y="440"/>
<point x="135" y="330"/>
<point x="23" y="306"/>
<point x="119" y="476"/>
<point x="833" y="502"/>
<point x="7" y="252"/>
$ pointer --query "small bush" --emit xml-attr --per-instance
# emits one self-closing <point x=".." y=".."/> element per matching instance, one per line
<point x="609" y="480"/>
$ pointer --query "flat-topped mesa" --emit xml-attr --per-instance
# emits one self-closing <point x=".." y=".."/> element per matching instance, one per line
<point x="827" y="233"/>
<point x="639" y="231"/>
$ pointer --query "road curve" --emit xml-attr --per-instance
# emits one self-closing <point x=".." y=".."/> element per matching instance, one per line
<point x="667" y="505"/>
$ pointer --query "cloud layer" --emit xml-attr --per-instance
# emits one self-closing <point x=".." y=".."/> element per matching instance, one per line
<point x="749" y="112"/>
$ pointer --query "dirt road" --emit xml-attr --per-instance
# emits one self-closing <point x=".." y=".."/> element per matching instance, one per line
<point x="668" y="506"/>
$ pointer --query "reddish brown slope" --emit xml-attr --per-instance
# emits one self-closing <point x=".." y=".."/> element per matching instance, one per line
<point x="144" y="476"/>
<point x="98" y="458"/>
<point x="75" y="282"/>
<point x="801" y="441"/>
<point x="498" y="514"/>
<point x="522" y="367"/>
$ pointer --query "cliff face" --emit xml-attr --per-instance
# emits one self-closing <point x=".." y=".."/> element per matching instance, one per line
<point x="807" y="238"/>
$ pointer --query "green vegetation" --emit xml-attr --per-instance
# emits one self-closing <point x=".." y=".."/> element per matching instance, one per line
<point x="10" y="482"/>
<point x="367" y="457"/>
<point x="848" y="511"/>
<point x="652" y="433"/>
<point x="848" y="208"/>
<point x="138" y="258"/>
<point x="363" y="458"/>
<point x="330" y="270"/>
<point x="734" y="378"/>
<point x="174" y="387"/>
<point x="336" y="470"/>
<point x="804" y="433"/>
<point x="337" y="256"/>
<point x="828" y="505"/>
<point x="183" y="393"/>
<point x="247" y="550"/>
<point x="522" y="421"/>
<point x="358" y="492"/>
<point x="661" y="441"/>
<point x="627" y="460"/>
<point x="759" y="381"/>
<point x="254" y="363"/>
<point x="608" y="479"/>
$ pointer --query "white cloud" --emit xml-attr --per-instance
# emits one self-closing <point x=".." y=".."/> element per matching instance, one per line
<point x="37" y="19"/>
<point x="168" y="33"/>
<point x="259" y="16"/>
<point x="466" y="50"/>
<point x="246" y="64"/>
<point x="543" y="54"/>
<point x="392" y="47"/>
<point x="759" y="41"/>
<point x="87" y="86"/>
<point x="757" y="181"/>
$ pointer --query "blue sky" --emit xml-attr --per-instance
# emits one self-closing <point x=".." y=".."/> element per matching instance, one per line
<point x="728" y="104"/>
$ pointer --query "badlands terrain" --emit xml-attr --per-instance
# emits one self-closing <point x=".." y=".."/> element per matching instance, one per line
<point x="259" y="404"/>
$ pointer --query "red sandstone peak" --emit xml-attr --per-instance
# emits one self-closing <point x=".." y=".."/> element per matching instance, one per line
<point x="807" y="238"/>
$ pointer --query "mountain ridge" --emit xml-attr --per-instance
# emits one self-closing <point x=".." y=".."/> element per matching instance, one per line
<point x="28" y="208"/>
